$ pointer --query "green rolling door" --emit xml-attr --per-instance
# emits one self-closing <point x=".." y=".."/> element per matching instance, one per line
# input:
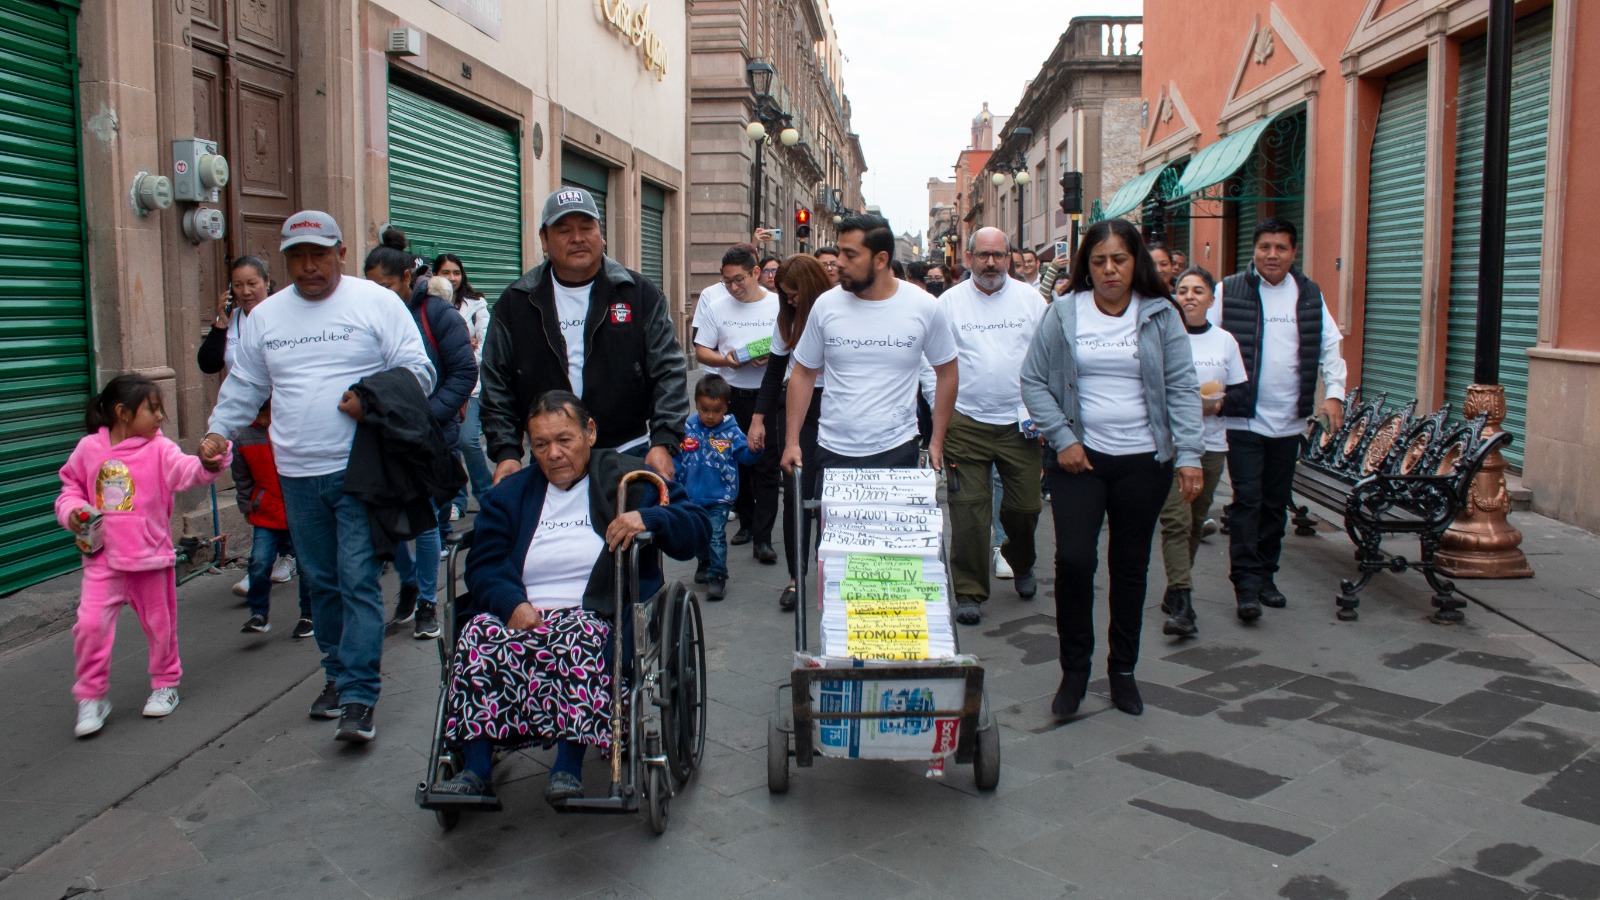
<point x="653" y="235"/>
<point x="1389" y="349"/>
<point x="455" y="186"/>
<point x="1243" y="226"/>
<point x="1519" y="324"/>
<point x="46" y="361"/>
<point x="582" y="171"/>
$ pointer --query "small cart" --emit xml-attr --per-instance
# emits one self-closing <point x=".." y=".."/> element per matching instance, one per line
<point x="967" y="731"/>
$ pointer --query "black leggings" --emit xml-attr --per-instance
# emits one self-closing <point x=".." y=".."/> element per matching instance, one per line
<point x="1128" y="493"/>
<point x="776" y="434"/>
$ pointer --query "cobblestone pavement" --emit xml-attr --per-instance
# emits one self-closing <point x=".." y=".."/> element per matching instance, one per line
<point x="1300" y="757"/>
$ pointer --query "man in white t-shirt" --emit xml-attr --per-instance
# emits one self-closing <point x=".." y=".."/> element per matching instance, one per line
<point x="992" y="318"/>
<point x="1287" y="338"/>
<point x="868" y="337"/>
<point x="304" y="347"/>
<point x="733" y="332"/>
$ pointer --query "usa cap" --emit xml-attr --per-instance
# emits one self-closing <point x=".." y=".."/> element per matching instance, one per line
<point x="310" y="227"/>
<point x="565" y="201"/>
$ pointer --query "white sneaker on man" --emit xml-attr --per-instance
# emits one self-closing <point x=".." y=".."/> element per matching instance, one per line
<point x="162" y="702"/>
<point x="242" y="589"/>
<point x="1002" y="569"/>
<point x="284" y="569"/>
<point x="91" y="716"/>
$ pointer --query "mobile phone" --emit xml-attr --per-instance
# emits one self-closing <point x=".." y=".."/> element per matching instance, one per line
<point x="1063" y="250"/>
<point x="777" y="234"/>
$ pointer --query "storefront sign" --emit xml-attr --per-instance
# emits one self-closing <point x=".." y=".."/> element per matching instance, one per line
<point x="635" y="26"/>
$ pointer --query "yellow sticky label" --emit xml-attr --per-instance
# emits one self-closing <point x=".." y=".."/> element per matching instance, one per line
<point x="888" y="649"/>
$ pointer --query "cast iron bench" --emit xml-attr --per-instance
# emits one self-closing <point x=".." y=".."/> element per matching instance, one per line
<point x="1391" y="471"/>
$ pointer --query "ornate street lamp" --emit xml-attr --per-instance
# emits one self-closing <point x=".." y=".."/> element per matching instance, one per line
<point x="1017" y="168"/>
<point x="768" y="116"/>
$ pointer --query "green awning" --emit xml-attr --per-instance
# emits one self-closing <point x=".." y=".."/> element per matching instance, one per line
<point x="1220" y="160"/>
<point x="1132" y="193"/>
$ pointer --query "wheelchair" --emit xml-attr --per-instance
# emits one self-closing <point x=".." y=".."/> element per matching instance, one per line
<point x="658" y="740"/>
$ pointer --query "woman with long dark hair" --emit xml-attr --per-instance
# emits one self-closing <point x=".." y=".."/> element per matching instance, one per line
<point x="800" y="281"/>
<point x="1110" y="383"/>
<point x="475" y="310"/>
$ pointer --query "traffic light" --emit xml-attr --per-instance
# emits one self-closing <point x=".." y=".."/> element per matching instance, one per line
<point x="1072" y="193"/>
<point x="802" y="223"/>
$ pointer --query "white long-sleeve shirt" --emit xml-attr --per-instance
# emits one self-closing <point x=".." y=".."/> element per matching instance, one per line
<point x="304" y="354"/>
<point x="1278" y="387"/>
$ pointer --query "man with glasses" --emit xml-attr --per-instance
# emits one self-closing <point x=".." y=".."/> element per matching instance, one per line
<point x="828" y="255"/>
<point x="726" y="324"/>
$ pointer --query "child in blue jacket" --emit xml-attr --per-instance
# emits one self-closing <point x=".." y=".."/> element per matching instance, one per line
<point x="712" y="451"/>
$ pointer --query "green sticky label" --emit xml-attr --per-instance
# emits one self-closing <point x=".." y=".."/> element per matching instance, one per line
<point x="759" y="347"/>
<point x="882" y="567"/>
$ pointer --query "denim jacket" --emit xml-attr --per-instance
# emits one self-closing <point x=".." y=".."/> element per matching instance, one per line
<point x="1166" y="364"/>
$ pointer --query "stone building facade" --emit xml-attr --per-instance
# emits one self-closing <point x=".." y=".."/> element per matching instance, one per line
<point x="820" y="173"/>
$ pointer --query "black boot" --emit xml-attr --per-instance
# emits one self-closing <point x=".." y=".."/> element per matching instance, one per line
<point x="1070" y="694"/>
<point x="1181" y="622"/>
<point x="1169" y="600"/>
<point x="1125" y="693"/>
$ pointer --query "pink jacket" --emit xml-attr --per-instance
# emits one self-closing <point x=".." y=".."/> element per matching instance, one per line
<point x="132" y="484"/>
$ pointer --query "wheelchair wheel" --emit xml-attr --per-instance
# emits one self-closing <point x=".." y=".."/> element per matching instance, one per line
<point x="777" y="756"/>
<point x="447" y="818"/>
<point x="656" y="792"/>
<point x="986" y="762"/>
<point x="685" y="721"/>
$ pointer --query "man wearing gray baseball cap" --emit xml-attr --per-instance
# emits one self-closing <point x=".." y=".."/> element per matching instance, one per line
<point x="303" y="347"/>
<point x="582" y="322"/>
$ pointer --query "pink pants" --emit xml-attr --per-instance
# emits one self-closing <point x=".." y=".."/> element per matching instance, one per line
<point x="154" y="598"/>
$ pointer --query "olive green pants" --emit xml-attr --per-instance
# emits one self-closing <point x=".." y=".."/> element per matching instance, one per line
<point x="1180" y="521"/>
<point x="973" y="449"/>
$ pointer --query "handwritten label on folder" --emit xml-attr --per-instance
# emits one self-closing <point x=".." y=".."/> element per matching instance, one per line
<point x="879" y="567"/>
<point x="865" y="648"/>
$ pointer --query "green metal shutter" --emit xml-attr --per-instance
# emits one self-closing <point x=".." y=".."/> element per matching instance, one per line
<point x="578" y="170"/>
<point x="1389" y="350"/>
<point x="455" y="186"/>
<point x="1243" y="226"/>
<point x="46" y="361"/>
<point x="1519" y="325"/>
<point x="652" y="235"/>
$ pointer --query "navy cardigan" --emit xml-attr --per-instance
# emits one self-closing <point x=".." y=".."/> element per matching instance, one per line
<point x="510" y="514"/>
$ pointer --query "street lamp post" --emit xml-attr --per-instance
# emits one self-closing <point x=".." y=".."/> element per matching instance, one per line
<point x="1481" y="543"/>
<point x="1018" y="170"/>
<point x="768" y="115"/>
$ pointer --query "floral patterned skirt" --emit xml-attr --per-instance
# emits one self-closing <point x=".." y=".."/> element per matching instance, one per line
<point x="520" y="688"/>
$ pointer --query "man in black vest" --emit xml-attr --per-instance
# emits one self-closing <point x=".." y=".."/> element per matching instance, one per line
<point x="582" y="323"/>
<point x="1287" y="338"/>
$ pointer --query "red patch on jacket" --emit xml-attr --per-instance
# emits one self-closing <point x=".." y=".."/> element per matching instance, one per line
<point x="690" y="445"/>
<point x="621" y="313"/>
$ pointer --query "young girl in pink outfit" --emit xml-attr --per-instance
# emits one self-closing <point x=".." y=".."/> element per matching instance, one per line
<point x="127" y="471"/>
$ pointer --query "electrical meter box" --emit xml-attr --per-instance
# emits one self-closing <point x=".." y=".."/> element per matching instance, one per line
<point x="198" y="171"/>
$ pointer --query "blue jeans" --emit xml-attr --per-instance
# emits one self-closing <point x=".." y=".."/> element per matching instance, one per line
<point x="996" y="489"/>
<point x="337" y="562"/>
<point x="471" y="448"/>
<point x="419" y="565"/>
<point x="265" y="546"/>
<point x="717" y="562"/>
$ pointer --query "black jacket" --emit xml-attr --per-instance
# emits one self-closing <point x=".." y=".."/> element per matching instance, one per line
<point x="400" y="466"/>
<point x="1242" y="316"/>
<point x="634" y="379"/>
<point x="450" y="351"/>
<point x="505" y="526"/>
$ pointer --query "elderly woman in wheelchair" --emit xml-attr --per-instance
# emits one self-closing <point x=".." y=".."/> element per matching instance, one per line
<point x="532" y="659"/>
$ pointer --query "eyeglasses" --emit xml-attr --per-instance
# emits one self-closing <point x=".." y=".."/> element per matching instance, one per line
<point x="990" y="255"/>
<point x="770" y="271"/>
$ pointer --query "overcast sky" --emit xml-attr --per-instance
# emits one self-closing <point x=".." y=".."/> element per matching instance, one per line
<point x="917" y="72"/>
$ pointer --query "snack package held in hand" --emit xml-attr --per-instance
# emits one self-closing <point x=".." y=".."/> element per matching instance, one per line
<point x="756" y="349"/>
<point x="91" y="539"/>
<point x="1210" y="390"/>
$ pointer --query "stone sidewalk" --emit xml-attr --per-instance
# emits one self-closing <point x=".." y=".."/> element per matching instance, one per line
<point x="1300" y="757"/>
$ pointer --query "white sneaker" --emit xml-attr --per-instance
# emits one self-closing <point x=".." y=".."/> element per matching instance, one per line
<point x="455" y="513"/>
<point x="91" y="716"/>
<point x="283" y="570"/>
<point x="242" y="589"/>
<point x="162" y="702"/>
<point x="1002" y="569"/>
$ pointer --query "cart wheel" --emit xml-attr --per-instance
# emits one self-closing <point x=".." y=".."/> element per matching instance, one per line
<point x="777" y="756"/>
<point x="447" y="818"/>
<point x="986" y="762"/>
<point x="656" y="797"/>
<point x="685" y="721"/>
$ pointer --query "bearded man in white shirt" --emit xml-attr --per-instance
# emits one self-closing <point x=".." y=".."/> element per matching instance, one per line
<point x="1287" y="338"/>
<point x="992" y="318"/>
